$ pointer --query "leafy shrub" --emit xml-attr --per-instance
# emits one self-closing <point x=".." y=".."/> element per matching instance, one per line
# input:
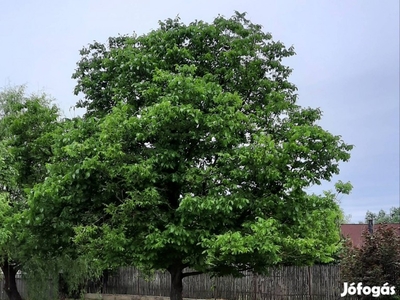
<point x="376" y="262"/>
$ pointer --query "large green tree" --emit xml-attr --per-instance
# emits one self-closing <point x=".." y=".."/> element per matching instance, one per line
<point x="192" y="153"/>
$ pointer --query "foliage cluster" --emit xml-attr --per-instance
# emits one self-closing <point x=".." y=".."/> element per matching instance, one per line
<point x="28" y="124"/>
<point x="393" y="216"/>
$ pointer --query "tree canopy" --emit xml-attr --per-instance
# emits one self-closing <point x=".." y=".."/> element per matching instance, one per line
<point x="28" y="124"/>
<point x="393" y="216"/>
<point x="192" y="153"/>
<point x="25" y="148"/>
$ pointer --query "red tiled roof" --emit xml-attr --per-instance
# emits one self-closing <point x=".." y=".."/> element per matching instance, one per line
<point x="355" y="231"/>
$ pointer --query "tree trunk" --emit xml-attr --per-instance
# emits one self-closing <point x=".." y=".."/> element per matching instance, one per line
<point x="176" y="281"/>
<point x="62" y="287"/>
<point x="10" y="284"/>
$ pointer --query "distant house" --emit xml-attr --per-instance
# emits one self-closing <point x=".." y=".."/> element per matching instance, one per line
<point x="355" y="231"/>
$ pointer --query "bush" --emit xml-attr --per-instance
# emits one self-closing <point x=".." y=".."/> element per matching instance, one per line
<point x="376" y="262"/>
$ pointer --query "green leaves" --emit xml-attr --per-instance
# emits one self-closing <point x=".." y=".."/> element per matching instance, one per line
<point x="27" y="125"/>
<point x="343" y="188"/>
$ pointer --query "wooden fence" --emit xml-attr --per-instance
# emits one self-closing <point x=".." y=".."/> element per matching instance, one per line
<point x="318" y="282"/>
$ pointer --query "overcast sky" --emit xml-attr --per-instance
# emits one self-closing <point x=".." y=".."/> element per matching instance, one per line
<point x="347" y="64"/>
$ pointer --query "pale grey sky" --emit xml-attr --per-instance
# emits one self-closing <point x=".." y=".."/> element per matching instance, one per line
<point x="347" y="64"/>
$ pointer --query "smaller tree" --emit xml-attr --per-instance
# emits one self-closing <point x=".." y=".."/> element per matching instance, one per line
<point x="25" y="124"/>
<point x="393" y="216"/>
<point x="376" y="262"/>
<point x="28" y="124"/>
